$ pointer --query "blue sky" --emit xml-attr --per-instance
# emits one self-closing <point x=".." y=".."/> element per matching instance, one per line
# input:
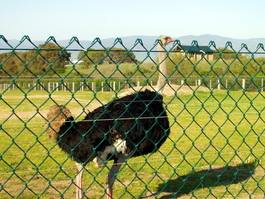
<point x="87" y="19"/>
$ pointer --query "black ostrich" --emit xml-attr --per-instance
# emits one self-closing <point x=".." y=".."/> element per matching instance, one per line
<point x="131" y="126"/>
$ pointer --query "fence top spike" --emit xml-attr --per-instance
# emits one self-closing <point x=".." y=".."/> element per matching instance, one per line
<point x="96" y="40"/>
<point x="74" y="38"/>
<point x="158" y="42"/>
<point x="118" y="40"/>
<point x="139" y="41"/>
<point x="194" y="43"/>
<point x="243" y="45"/>
<point x="51" y="38"/>
<point x="229" y="44"/>
<point x="212" y="43"/>
<point x="260" y="45"/>
<point x="25" y="37"/>
<point x="2" y="37"/>
<point x="177" y="42"/>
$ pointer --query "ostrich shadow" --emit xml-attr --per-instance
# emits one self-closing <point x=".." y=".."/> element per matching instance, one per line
<point x="208" y="178"/>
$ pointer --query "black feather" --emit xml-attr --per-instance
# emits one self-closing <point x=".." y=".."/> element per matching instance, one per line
<point x="139" y="118"/>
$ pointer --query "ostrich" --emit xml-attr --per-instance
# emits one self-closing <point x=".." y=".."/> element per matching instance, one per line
<point x="131" y="126"/>
<point x="162" y="63"/>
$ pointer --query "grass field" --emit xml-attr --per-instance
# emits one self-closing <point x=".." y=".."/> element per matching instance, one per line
<point x="215" y="150"/>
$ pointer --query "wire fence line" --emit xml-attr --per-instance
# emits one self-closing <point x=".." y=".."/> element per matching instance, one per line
<point x="214" y="100"/>
<point x="212" y="83"/>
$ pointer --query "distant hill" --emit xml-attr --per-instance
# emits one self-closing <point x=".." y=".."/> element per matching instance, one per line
<point x="148" y="42"/>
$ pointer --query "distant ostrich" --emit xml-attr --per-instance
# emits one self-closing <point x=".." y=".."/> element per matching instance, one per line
<point x="131" y="126"/>
<point x="162" y="58"/>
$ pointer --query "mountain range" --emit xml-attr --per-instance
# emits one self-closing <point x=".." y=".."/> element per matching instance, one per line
<point x="128" y="42"/>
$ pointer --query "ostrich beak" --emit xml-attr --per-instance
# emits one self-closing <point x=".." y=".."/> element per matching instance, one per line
<point x="170" y="40"/>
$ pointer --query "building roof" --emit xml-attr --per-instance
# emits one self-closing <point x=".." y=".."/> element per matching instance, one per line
<point x="195" y="49"/>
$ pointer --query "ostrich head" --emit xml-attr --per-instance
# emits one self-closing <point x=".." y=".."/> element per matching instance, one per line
<point x="56" y="117"/>
<point x="165" y="40"/>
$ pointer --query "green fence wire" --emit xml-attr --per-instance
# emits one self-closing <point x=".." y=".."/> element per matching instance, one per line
<point x="214" y="98"/>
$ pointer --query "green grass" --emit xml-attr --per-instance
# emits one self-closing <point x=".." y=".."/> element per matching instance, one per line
<point x="215" y="150"/>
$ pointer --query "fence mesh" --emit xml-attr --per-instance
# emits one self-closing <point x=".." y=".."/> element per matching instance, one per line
<point x="214" y="99"/>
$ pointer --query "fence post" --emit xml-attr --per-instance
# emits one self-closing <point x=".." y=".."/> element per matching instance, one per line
<point x="218" y="84"/>
<point x="182" y="82"/>
<point x="82" y="86"/>
<point x="199" y="82"/>
<point x="243" y="84"/>
<point x="102" y="87"/>
<point x="93" y="86"/>
<point x="73" y="87"/>
<point x="262" y="85"/>
<point x="114" y="86"/>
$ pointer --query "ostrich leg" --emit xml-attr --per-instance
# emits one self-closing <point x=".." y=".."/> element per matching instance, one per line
<point x="112" y="175"/>
<point x="80" y="170"/>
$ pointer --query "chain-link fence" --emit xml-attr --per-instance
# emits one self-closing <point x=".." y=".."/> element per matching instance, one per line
<point x="214" y="99"/>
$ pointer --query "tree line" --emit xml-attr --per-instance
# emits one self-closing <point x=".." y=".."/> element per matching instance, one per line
<point x="50" y="58"/>
<point x="33" y="62"/>
<point x="106" y="56"/>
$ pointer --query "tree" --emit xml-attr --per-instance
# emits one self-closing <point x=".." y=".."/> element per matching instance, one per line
<point x="47" y="57"/>
<point x="226" y="54"/>
<point x="11" y="63"/>
<point x="108" y="56"/>
<point x="119" y="55"/>
<point x="92" y="56"/>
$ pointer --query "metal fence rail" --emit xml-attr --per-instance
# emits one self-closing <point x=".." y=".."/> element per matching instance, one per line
<point x="214" y="101"/>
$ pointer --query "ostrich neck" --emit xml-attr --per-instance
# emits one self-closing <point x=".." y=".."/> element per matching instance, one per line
<point x="162" y="69"/>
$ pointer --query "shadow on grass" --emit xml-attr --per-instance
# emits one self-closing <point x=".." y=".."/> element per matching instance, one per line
<point x="208" y="178"/>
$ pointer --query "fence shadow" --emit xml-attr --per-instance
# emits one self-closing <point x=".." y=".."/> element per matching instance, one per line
<point x="207" y="178"/>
